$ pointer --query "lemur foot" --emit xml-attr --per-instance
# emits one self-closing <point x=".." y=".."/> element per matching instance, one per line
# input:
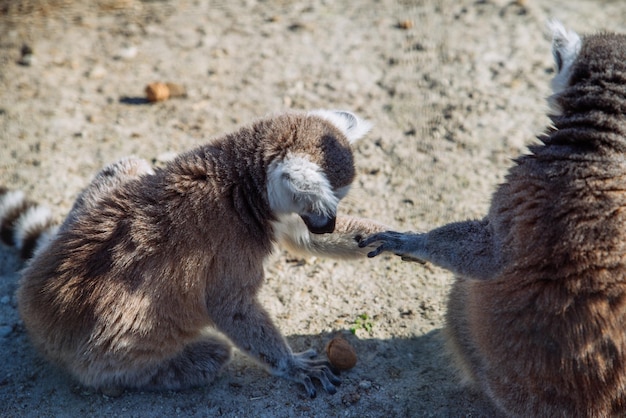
<point x="306" y="366"/>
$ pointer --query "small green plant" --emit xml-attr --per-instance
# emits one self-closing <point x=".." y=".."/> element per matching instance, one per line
<point x="364" y="322"/>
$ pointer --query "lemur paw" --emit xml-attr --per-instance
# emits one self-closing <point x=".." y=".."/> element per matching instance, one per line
<point x="306" y="366"/>
<point x="388" y="241"/>
<point x="391" y="241"/>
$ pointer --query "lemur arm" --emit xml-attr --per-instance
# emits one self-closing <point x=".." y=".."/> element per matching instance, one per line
<point x="465" y="248"/>
<point x="343" y="243"/>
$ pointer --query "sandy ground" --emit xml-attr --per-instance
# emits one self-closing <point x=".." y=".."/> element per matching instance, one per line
<point x="455" y="88"/>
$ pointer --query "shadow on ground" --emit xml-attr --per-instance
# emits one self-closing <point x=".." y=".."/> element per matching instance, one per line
<point x="393" y="377"/>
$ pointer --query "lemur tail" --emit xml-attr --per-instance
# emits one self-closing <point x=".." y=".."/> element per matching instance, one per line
<point x="23" y="223"/>
<point x="342" y="243"/>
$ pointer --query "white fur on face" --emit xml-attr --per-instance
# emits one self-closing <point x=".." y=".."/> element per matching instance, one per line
<point x="353" y="127"/>
<point x="565" y="48"/>
<point x="297" y="185"/>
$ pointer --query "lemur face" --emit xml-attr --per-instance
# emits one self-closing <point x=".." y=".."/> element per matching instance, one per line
<point x="316" y="172"/>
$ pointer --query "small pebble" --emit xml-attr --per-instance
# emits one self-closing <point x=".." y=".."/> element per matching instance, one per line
<point x="157" y="92"/>
<point x="127" y="53"/>
<point x="405" y="24"/>
<point x="365" y="384"/>
<point x="27" y="56"/>
<point x="5" y="300"/>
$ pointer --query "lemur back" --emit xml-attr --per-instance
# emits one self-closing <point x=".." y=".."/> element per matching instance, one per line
<point x="151" y="267"/>
<point x="537" y="316"/>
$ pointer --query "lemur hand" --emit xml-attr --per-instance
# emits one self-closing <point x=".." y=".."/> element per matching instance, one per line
<point x="401" y="244"/>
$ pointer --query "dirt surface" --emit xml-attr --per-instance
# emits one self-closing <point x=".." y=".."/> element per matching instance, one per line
<point x="455" y="89"/>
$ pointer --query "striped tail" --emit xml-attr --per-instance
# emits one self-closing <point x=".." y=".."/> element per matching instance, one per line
<point x="23" y="223"/>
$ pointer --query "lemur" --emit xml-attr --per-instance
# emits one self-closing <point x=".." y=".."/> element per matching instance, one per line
<point x="536" y="317"/>
<point x="155" y="272"/>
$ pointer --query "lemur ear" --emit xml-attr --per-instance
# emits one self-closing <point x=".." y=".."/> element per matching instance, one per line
<point x="565" y="44"/>
<point x="353" y="127"/>
<point x="565" y="48"/>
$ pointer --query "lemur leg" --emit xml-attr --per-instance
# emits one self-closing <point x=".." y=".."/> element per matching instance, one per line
<point x="465" y="248"/>
<point x="458" y="331"/>
<point x="249" y="326"/>
<point x="198" y="364"/>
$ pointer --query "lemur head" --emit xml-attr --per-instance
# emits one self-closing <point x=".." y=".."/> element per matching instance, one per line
<point x="592" y="61"/>
<point x="316" y="171"/>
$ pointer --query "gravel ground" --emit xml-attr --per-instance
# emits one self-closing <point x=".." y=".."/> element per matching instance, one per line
<point x="455" y="89"/>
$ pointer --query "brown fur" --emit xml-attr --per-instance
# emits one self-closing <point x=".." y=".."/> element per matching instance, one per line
<point x="150" y="268"/>
<point x="537" y="316"/>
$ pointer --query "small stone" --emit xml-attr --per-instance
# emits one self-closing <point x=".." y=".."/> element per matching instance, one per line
<point x="5" y="300"/>
<point x="127" y="53"/>
<point x="405" y="24"/>
<point x="365" y="384"/>
<point x="157" y="92"/>
<point x="27" y="57"/>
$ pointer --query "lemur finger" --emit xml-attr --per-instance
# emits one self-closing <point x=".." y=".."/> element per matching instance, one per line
<point x="376" y="252"/>
<point x="329" y="387"/>
<point x="310" y="353"/>
<point x="330" y="374"/>
<point x="369" y="240"/>
<point x="317" y="363"/>
<point x="308" y="385"/>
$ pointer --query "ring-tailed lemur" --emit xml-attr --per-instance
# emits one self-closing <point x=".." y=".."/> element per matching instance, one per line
<point x="537" y="315"/>
<point x="151" y="266"/>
